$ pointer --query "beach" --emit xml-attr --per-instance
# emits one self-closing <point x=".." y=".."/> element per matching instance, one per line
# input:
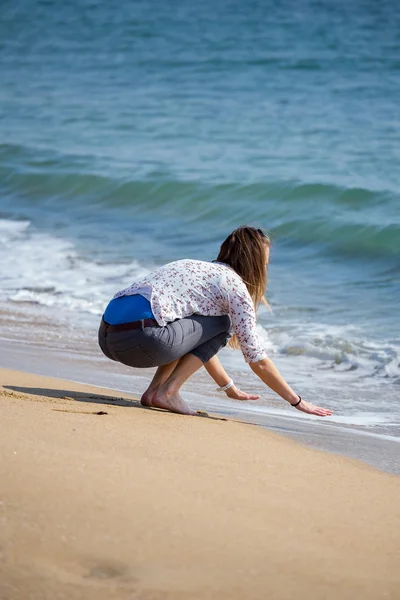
<point x="102" y="498"/>
<point x="133" y="138"/>
<point x="138" y="136"/>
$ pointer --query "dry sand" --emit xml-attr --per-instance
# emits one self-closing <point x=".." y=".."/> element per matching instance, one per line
<point x="141" y="504"/>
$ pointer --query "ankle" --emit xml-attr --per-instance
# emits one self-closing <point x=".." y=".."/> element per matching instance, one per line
<point x="168" y="390"/>
<point x="152" y="389"/>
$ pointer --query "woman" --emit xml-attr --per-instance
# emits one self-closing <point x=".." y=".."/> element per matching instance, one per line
<point x="180" y="316"/>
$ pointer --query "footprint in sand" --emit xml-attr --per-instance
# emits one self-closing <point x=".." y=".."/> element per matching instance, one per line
<point x="108" y="571"/>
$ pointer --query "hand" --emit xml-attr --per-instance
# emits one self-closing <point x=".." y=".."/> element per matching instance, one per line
<point x="311" y="409"/>
<point x="236" y="394"/>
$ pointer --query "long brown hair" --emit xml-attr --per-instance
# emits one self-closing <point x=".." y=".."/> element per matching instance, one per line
<point x="245" y="250"/>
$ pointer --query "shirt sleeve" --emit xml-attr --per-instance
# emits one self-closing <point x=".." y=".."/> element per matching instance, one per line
<point x="243" y="317"/>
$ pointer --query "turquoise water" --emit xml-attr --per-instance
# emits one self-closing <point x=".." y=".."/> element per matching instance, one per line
<point x="138" y="133"/>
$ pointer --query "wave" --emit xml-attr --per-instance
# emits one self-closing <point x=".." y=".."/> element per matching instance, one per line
<point x="348" y="221"/>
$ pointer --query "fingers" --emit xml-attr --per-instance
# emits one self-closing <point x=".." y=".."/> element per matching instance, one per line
<point x="236" y="394"/>
<point x="244" y="396"/>
<point x="322" y="412"/>
<point x="310" y="409"/>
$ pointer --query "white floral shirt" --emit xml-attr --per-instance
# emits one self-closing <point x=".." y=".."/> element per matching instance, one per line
<point x="187" y="287"/>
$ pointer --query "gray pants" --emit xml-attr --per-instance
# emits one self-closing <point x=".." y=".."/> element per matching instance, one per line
<point x="156" y="346"/>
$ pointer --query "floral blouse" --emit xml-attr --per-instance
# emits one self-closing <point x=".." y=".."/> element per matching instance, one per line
<point x="187" y="287"/>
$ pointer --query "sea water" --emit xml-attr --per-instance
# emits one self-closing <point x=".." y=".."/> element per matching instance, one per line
<point x="137" y="133"/>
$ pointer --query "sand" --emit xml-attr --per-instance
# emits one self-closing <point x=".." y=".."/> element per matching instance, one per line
<point x="142" y="504"/>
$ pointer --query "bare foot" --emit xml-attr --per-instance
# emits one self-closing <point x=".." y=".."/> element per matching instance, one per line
<point x="146" y="398"/>
<point x="172" y="402"/>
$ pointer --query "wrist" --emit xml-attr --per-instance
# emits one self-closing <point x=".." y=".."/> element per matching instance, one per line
<point x="297" y="401"/>
<point x="226" y="387"/>
<point x="291" y="396"/>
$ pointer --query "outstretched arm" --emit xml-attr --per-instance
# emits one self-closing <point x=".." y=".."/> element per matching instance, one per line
<point x="221" y="378"/>
<point x="269" y="374"/>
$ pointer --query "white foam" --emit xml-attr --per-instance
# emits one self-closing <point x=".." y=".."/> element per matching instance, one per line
<point x="47" y="270"/>
<point x="339" y="349"/>
<point x="10" y="230"/>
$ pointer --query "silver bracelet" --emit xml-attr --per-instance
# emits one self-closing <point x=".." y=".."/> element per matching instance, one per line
<point x="226" y="387"/>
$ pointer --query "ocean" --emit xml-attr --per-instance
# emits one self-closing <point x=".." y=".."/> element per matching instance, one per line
<point x="137" y="133"/>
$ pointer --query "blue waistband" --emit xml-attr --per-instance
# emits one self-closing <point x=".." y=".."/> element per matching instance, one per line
<point x="126" y="309"/>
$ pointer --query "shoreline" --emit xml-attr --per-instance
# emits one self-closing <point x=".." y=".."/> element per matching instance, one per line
<point x="105" y="499"/>
<point x="93" y="369"/>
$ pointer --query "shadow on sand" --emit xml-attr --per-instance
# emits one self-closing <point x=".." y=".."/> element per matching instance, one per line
<point x="93" y="399"/>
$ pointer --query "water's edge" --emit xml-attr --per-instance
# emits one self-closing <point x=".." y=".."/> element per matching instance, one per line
<point x="378" y="451"/>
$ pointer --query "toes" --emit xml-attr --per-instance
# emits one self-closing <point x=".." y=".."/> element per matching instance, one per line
<point x="175" y="405"/>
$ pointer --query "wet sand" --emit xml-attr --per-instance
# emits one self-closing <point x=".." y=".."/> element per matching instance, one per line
<point x="101" y="498"/>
